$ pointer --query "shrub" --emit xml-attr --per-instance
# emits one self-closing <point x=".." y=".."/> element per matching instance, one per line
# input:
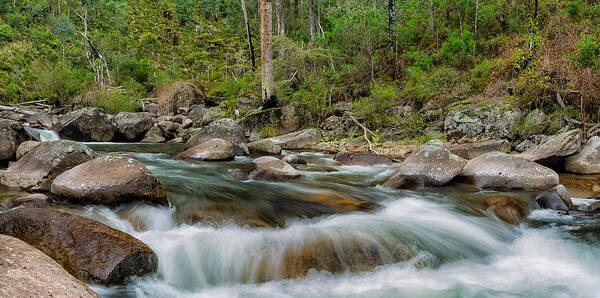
<point x="458" y="50"/>
<point x="139" y="70"/>
<point x="574" y="9"/>
<point x="111" y="101"/>
<point x="376" y="107"/>
<point x="588" y="52"/>
<point x="7" y="33"/>
<point x="433" y="136"/>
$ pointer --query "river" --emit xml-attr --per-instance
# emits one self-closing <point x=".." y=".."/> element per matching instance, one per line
<point x="433" y="243"/>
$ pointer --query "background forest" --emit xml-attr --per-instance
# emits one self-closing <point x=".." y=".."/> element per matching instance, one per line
<point x="426" y="54"/>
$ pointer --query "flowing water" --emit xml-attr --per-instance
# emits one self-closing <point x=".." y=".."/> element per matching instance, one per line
<point x="434" y="243"/>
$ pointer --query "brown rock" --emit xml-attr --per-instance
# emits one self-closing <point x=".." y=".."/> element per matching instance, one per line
<point x="298" y="140"/>
<point x="363" y="159"/>
<point x="211" y="150"/>
<point x="508" y="209"/>
<point x="38" y="168"/>
<point x="472" y="150"/>
<point x="555" y="148"/>
<point x="89" y="250"/>
<point x="226" y="129"/>
<point x="581" y="186"/>
<point x="25" y="147"/>
<point x="272" y="169"/>
<point x="27" y="272"/>
<point x="557" y="198"/>
<point x="109" y="180"/>
<point x="154" y="135"/>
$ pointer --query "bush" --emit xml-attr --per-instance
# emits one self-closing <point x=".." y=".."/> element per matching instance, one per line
<point x="588" y="52"/>
<point x="139" y="70"/>
<point x="111" y="101"/>
<point x="458" y="50"/>
<point x="376" y="107"/>
<point x="7" y="33"/>
<point x="574" y="9"/>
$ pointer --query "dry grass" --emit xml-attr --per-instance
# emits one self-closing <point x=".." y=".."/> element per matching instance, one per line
<point x="176" y="95"/>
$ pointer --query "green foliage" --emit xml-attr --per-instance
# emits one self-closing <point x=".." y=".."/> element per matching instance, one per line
<point x="588" y="52"/>
<point x="433" y="136"/>
<point x="268" y="131"/>
<point x="185" y="10"/>
<point x="375" y="109"/>
<point x="111" y="102"/>
<point x="574" y="9"/>
<point x="457" y="50"/>
<point x="480" y="74"/>
<point x="7" y="33"/>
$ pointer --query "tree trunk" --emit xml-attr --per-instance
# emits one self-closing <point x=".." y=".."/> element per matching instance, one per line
<point x="476" y="16"/>
<point x="391" y="15"/>
<point x="430" y="10"/>
<point x="248" y="36"/>
<point x="296" y="8"/>
<point x="311" y="19"/>
<point x="266" y="51"/>
<point x="279" y="17"/>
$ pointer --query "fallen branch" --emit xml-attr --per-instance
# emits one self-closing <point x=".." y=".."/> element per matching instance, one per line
<point x="29" y="102"/>
<point x="17" y="110"/>
<point x="365" y="130"/>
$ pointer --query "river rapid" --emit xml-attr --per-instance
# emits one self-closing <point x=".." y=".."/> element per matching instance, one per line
<point x="457" y="248"/>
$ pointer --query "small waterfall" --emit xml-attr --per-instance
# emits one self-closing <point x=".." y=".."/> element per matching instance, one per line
<point x="41" y="135"/>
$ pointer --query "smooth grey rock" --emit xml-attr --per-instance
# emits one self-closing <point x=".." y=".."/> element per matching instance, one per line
<point x="588" y="160"/>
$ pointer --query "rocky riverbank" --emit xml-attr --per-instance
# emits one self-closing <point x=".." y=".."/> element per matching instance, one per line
<point x="489" y="147"/>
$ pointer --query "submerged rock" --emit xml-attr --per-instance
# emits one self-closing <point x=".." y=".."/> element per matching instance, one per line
<point x="580" y="186"/>
<point x="133" y="126"/>
<point x="432" y="162"/>
<point x="588" y="160"/>
<point x="340" y="255"/>
<point x="211" y="150"/>
<point x="363" y="159"/>
<point x="11" y="135"/>
<point x="86" y="125"/>
<point x="25" y="147"/>
<point x="27" y="272"/>
<point x="501" y="171"/>
<point x="556" y="198"/>
<point x="89" y="250"/>
<point x="509" y="209"/>
<point x="272" y="169"/>
<point x="264" y="146"/>
<point x="555" y="148"/>
<point x="35" y="200"/>
<point x="109" y="180"/>
<point x="37" y="169"/>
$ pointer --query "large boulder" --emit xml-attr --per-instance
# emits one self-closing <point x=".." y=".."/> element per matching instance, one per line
<point x="467" y="122"/>
<point x="280" y="120"/>
<point x="302" y="139"/>
<point x="27" y="272"/>
<point x="109" y="180"/>
<point x="472" y="150"/>
<point x="86" y="125"/>
<point x="502" y="171"/>
<point x="555" y="148"/>
<point x="557" y="198"/>
<point x="269" y="168"/>
<point x="432" y="162"/>
<point x="37" y="169"/>
<point x="226" y="129"/>
<point x="91" y="251"/>
<point x="178" y="97"/>
<point x="11" y="135"/>
<point x="25" y="147"/>
<point x="201" y="116"/>
<point x="211" y="150"/>
<point x="588" y="160"/>
<point x="133" y="126"/>
<point x="154" y="135"/>
<point x="509" y="209"/>
<point x="264" y="146"/>
<point x="363" y="159"/>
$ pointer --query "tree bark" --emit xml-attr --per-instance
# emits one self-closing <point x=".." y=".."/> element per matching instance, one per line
<point x="279" y="18"/>
<point x="391" y="15"/>
<point x="248" y="36"/>
<point x="266" y="51"/>
<point x="311" y="19"/>
<point x="476" y="16"/>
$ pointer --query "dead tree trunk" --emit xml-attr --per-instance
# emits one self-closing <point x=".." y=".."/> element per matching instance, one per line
<point x="311" y="19"/>
<point x="391" y="16"/>
<point x="279" y="18"/>
<point x="248" y="35"/>
<point x="266" y="52"/>
<point x="100" y="67"/>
